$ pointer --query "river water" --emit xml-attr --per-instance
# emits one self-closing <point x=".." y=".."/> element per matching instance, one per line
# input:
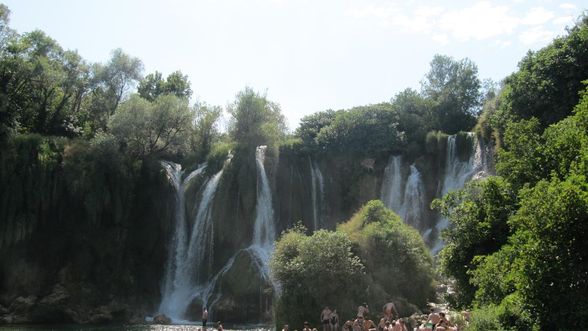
<point x="124" y="328"/>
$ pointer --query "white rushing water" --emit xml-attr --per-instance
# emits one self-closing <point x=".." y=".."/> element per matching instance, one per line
<point x="392" y="193"/>
<point x="413" y="202"/>
<point x="457" y="173"/>
<point x="263" y="229"/>
<point x="178" y="244"/>
<point x="317" y="193"/>
<point x="405" y="195"/>
<point x="189" y="246"/>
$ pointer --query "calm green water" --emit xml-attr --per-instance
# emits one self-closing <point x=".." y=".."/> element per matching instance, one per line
<point x="120" y="328"/>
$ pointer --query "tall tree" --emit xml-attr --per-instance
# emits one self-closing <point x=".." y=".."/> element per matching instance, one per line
<point x="205" y="129"/>
<point x="112" y="82"/>
<point x="153" y="128"/>
<point x="255" y="120"/>
<point x="153" y="85"/>
<point x="455" y="87"/>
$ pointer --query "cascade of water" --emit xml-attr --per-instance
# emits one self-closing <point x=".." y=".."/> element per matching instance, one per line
<point x="177" y="248"/>
<point x="263" y="231"/>
<point x="457" y="173"/>
<point x="317" y="184"/>
<point x="182" y="284"/>
<point x="413" y="202"/>
<point x="392" y="188"/>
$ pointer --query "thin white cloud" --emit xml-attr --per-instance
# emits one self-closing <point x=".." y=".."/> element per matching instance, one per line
<point x="563" y="20"/>
<point x="567" y="6"/>
<point x="535" y="35"/>
<point x="479" y="21"/>
<point x="537" y="16"/>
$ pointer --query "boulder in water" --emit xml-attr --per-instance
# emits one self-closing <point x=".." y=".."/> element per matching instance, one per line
<point x="161" y="319"/>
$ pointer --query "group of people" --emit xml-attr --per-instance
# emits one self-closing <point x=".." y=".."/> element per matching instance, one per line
<point x="390" y="321"/>
<point x="439" y="322"/>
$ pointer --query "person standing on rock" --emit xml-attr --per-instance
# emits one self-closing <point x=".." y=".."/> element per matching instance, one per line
<point x="204" y="317"/>
<point x="334" y="320"/>
<point x="389" y="311"/>
<point x="326" y="318"/>
<point x="363" y="310"/>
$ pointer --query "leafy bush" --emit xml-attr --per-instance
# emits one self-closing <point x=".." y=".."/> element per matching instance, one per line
<point x="314" y="271"/>
<point x="397" y="261"/>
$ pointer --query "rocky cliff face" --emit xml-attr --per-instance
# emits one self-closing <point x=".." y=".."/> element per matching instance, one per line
<point x="75" y="252"/>
<point x="80" y="256"/>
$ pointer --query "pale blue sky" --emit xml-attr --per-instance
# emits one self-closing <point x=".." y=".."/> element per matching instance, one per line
<point x="308" y="55"/>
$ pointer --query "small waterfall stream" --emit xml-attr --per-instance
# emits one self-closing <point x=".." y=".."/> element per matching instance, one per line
<point x="413" y="203"/>
<point x="264" y="232"/>
<point x="317" y="193"/>
<point x="392" y="188"/>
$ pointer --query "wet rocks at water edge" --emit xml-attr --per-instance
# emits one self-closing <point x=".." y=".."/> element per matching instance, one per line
<point x="161" y="319"/>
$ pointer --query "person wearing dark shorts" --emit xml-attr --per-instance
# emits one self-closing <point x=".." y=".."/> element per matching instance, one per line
<point x="204" y="316"/>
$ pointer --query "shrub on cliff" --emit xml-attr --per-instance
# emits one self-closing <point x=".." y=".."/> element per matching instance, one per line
<point x="398" y="264"/>
<point x="314" y="271"/>
<point x="372" y="258"/>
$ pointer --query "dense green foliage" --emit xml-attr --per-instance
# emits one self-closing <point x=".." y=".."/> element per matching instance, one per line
<point x="374" y="257"/>
<point x="547" y="83"/>
<point x="255" y="120"/>
<point x="394" y="254"/>
<point x="479" y="215"/>
<point x="153" y="128"/>
<point x="314" y="271"/>
<point x="516" y="246"/>
<point x="454" y="88"/>
<point x="153" y="86"/>
<point x="448" y="101"/>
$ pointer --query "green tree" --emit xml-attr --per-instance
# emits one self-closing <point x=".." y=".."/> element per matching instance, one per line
<point x="43" y="85"/>
<point x="362" y="130"/>
<point x="205" y="129"/>
<point x="153" y="85"/>
<point x="547" y="83"/>
<point x="314" y="271"/>
<point x="415" y="118"/>
<point x="398" y="264"/>
<point x="111" y="84"/>
<point x="520" y="159"/>
<point x="153" y="128"/>
<point x="311" y="125"/>
<point x="255" y="120"/>
<point x="553" y="224"/>
<point x="478" y="215"/>
<point x="455" y="88"/>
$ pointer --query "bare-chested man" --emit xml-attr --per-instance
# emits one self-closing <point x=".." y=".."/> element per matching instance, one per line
<point x="358" y="324"/>
<point x="369" y="325"/>
<point x="326" y="318"/>
<point x="389" y="310"/>
<point x="363" y="310"/>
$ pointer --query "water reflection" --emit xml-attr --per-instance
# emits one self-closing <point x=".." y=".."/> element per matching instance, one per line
<point x="124" y="328"/>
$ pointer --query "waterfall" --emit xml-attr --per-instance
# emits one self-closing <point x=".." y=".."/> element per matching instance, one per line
<point x="413" y="202"/>
<point x="317" y="185"/>
<point x="182" y="284"/>
<point x="392" y="187"/>
<point x="457" y="173"/>
<point x="177" y="248"/>
<point x="263" y="231"/>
